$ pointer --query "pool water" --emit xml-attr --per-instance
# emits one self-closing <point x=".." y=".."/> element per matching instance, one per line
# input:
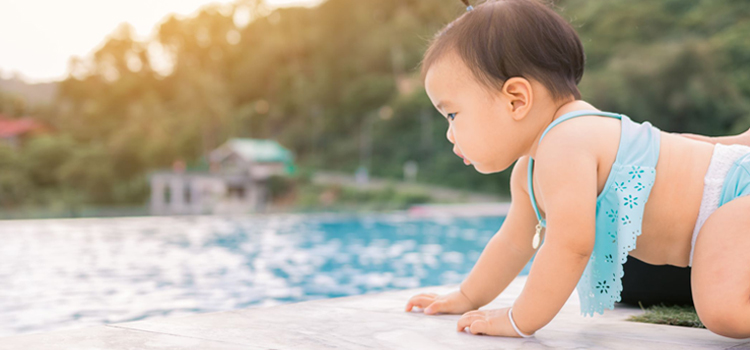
<point x="58" y="274"/>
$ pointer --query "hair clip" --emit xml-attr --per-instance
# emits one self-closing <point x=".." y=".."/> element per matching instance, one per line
<point x="468" y="6"/>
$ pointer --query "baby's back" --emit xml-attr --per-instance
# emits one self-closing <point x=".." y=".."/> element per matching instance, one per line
<point x="670" y="214"/>
<point x="674" y="200"/>
<point x="672" y="208"/>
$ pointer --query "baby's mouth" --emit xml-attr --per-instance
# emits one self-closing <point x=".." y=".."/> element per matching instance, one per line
<point x="466" y="161"/>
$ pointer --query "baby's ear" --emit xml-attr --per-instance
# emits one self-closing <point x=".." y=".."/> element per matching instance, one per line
<point x="519" y="96"/>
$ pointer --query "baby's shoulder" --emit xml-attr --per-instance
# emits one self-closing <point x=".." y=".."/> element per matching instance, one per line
<point x="590" y="142"/>
<point x="580" y="136"/>
<point x="584" y="131"/>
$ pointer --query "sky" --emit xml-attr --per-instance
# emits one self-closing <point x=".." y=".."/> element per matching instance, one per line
<point x="38" y="37"/>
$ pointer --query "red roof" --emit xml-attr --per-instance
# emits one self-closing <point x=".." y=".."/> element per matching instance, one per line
<point x="16" y="127"/>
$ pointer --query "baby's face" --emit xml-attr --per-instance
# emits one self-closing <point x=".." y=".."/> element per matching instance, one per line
<point x="480" y="127"/>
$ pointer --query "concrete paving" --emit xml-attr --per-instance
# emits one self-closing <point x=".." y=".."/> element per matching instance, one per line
<point x="372" y="321"/>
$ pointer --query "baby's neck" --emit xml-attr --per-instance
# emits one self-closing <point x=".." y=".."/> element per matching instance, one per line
<point x="570" y="106"/>
<point x="551" y="113"/>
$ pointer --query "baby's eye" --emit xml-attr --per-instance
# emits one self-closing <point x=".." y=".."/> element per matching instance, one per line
<point x="451" y="115"/>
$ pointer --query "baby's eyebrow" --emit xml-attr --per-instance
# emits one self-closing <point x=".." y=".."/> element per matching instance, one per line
<point x="442" y="104"/>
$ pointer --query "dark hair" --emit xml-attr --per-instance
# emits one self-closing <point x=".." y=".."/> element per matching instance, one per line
<point x="501" y="39"/>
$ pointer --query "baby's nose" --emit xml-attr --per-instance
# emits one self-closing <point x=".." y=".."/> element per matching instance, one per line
<point x="449" y="134"/>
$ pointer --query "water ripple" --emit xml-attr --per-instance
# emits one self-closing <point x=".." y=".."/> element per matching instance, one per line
<point x="57" y="274"/>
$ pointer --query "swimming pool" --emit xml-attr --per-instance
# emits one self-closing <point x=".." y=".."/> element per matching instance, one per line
<point x="57" y="274"/>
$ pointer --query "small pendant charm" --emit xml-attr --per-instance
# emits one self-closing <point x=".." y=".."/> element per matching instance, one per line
<point x="536" y="239"/>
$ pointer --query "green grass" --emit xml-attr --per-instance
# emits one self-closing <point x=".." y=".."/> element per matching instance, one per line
<point x="670" y="315"/>
<point x="311" y="197"/>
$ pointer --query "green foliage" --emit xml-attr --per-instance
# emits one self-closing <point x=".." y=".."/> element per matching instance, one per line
<point x="680" y="64"/>
<point x="326" y="82"/>
<point x="387" y="198"/>
<point x="15" y="187"/>
<point x="337" y="198"/>
<point x="279" y="185"/>
<point x="90" y="170"/>
<point x="12" y="104"/>
<point x="45" y="156"/>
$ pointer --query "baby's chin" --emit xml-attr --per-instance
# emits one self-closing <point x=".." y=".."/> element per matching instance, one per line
<point x="484" y="168"/>
<point x="481" y="169"/>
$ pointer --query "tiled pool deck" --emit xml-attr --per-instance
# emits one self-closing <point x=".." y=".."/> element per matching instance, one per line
<point x="372" y="321"/>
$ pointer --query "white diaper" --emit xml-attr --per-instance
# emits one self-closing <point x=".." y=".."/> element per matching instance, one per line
<point x="721" y="161"/>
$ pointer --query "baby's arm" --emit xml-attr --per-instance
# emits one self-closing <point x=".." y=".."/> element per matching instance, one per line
<point x="567" y="180"/>
<point x="509" y="250"/>
<point x="566" y="177"/>
<point x="504" y="256"/>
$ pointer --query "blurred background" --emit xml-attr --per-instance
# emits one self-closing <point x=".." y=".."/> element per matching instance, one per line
<point x="289" y="116"/>
<point x="333" y="84"/>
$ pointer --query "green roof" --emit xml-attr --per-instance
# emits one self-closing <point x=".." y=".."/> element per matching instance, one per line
<point x="257" y="150"/>
<point x="260" y="150"/>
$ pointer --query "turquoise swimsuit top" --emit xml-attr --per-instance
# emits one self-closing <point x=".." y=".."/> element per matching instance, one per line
<point x="619" y="209"/>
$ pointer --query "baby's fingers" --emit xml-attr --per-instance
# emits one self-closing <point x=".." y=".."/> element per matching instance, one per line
<point x="437" y="306"/>
<point x="466" y="321"/>
<point x="421" y="301"/>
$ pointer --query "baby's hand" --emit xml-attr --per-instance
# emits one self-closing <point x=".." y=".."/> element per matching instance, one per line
<point x="487" y="322"/>
<point x="453" y="303"/>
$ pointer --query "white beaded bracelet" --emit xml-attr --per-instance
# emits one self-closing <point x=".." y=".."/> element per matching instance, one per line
<point x="513" y="323"/>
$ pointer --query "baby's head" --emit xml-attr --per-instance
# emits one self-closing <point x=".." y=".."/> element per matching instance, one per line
<point x="498" y="73"/>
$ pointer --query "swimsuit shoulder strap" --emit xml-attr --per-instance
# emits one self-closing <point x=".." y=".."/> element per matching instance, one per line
<point x="574" y="114"/>
<point x="559" y="120"/>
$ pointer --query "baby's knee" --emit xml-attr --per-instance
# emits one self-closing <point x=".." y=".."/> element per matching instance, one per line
<point x="728" y="322"/>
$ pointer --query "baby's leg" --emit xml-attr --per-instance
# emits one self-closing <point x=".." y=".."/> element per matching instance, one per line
<point x="741" y="139"/>
<point x="721" y="270"/>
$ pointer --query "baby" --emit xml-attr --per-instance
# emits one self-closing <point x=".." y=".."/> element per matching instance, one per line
<point x="586" y="184"/>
